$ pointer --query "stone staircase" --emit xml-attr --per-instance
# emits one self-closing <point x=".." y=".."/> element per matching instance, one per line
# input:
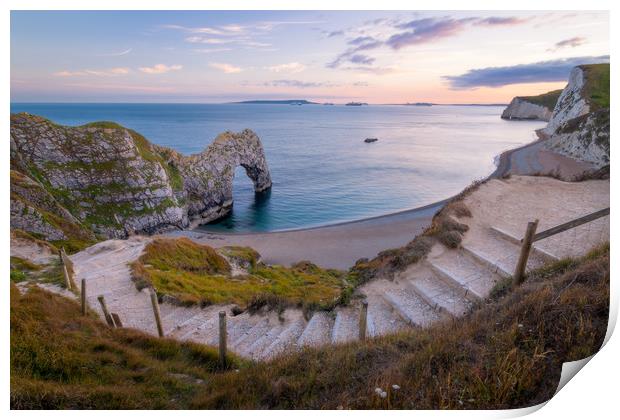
<point x="444" y="285"/>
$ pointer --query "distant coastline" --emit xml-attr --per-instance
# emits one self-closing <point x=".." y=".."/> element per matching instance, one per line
<point x="278" y="102"/>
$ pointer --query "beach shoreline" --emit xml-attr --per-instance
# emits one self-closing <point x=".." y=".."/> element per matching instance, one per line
<point x="339" y="245"/>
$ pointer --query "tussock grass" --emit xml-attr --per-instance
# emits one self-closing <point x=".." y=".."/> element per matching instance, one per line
<point x="506" y="354"/>
<point x="444" y="228"/>
<point x="60" y="359"/>
<point x="192" y="273"/>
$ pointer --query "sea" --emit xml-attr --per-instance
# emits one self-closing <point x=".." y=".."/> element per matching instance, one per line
<point x="322" y="170"/>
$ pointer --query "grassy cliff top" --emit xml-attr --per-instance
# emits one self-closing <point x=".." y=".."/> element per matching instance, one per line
<point x="548" y="99"/>
<point x="596" y="87"/>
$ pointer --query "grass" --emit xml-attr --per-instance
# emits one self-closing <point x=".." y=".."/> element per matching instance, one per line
<point x="547" y="100"/>
<point x="21" y="269"/>
<point x="596" y="86"/>
<point x="103" y="124"/>
<point x="62" y="360"/>
<point x="145" y="148"/>
<point x="192" y="273"/>
<point x="35" y="197"/>
<point x="243" y="256"/>
<point x="506" y="354"/>
<point x="444" y="229"/>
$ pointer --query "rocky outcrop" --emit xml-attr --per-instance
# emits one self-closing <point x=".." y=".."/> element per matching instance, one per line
<point x="571" y="104"/>
<point x="109" y="180"/>
<point x="521" y="109"/>
<point x="579" y="127"/>
<point x="584" y="138"/>
<point x="208" y="176"/>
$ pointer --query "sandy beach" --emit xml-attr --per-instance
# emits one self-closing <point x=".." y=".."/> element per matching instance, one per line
<point x="339" y="246"/>
<point x="533" y="158"/>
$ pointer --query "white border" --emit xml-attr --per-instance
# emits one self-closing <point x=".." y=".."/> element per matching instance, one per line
<point x="591" y="395"/>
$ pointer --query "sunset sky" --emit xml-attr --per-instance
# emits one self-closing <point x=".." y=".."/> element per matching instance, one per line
<point x="375" y="57"/>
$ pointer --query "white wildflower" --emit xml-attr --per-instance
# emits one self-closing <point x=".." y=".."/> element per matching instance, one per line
<point x="395" y="387"/>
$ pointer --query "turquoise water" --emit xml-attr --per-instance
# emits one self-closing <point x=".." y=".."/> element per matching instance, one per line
<point x="322" y="170"/>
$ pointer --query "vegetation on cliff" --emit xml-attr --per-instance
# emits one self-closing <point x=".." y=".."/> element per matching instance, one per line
<point x="37" y="214"/>
<point x="581" y="126"/>
<point x="547" y="100"/>
<point x="193" y="273"/>
<point x="60" y="359"/>
<point x="596" y="87"/>
<point x="106" y="181"/>
<point x="507" y="354"/>
<point x="444" y="229"/>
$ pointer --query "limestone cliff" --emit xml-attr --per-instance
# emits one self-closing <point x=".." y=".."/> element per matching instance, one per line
<point x="106" y="180"/>
<point x="532" y="107"/>
<point x="520" y="109"/>
<point x="579" y="126"/>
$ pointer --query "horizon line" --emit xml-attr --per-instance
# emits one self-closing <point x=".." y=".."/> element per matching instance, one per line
<point x="244" y="102"/>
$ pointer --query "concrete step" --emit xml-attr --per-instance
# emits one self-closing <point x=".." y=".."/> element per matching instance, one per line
<point x="189" y="325"/>
<point x="382" y="317"/>
<point x="510" y="237"/>
<point x="241" y="344"/>
<point x="318" y="331"/>
<point x="255" y="350"/>
<point x="439" y="294"/>
<point x="238" y="327"/>
<point x="411" y="307"/>
<point x="499" y="255"/>
<point x="346" y="325"/>
<point x="287" y="339"/>
<point x="462" y="272"/>
<point x="206" y="332"/>
<point x="173" y="315"/>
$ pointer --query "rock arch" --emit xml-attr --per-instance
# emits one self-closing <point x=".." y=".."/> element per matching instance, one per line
<point x="209" y="175"/>
<point x="110" y="179"/>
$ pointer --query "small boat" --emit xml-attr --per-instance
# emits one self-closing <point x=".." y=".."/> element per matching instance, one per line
<point x="371" y="140"/>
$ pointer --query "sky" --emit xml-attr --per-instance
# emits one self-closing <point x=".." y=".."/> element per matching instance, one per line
<point x="369" y="56"/>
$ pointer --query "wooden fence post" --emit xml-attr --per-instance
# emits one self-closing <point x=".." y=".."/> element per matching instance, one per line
<point x="223" y="338"/>
<point x="106" y="314"/>
<point x="155" y="303"/>
<point x="526" y="246"/>
<point x="66" y="275"/>
<point x="83" y="296"/>
<point x="65" y="272"/>
<point x="117" y="320"/>
<point x="363" y="318"/>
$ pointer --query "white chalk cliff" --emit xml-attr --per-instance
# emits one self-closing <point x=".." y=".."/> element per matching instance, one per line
<point x="520" y="109"/>
<point x="577" y="128"/>
<point x="571" y="103"/>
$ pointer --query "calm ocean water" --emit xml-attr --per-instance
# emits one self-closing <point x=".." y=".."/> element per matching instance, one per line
<point x="322" y="170"/>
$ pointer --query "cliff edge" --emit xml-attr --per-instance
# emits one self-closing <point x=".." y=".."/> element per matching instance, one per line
<point x="538" y="107"/>
<point x="579" y="126"/>
<point x="71" y="185"/>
